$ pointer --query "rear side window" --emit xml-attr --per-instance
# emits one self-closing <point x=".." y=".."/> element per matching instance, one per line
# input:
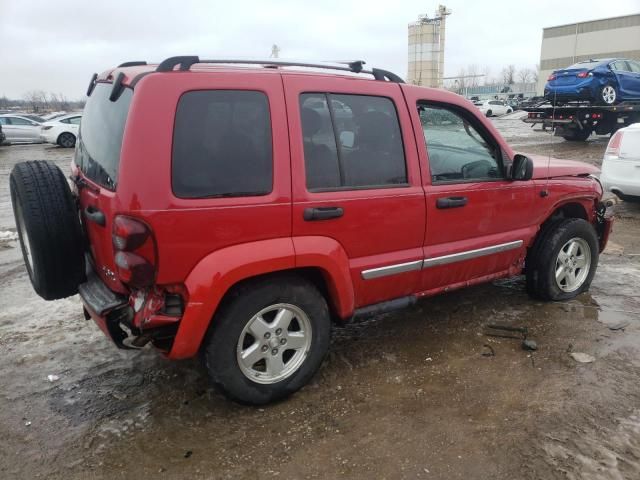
<point x="222" y="144"/>
<point x="351" y="141"/>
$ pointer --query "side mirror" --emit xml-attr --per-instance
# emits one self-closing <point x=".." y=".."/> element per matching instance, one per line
<point x="521" y="168"/>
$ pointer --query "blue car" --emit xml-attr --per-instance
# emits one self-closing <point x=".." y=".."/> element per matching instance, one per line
<point x="605" y="81"/>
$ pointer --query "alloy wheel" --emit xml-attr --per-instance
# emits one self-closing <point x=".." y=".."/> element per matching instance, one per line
<point x="274" y="343"/>
<point x="573" y="264"/>
<point x="608" y="94"/>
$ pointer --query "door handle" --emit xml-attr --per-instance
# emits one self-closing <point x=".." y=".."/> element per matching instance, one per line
<point x="95" y="215"/>
<point x="451" y="202"/>
<point x="322" y="213"/>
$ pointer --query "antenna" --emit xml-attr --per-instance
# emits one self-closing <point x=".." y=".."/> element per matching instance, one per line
<point x="545" y="192"/>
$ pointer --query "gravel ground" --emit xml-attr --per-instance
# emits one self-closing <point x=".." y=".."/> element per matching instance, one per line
<point x="408" y="395"/>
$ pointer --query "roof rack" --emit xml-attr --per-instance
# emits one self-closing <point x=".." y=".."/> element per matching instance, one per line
<point x="356" y="66"/>
<point x="132" y="64"/>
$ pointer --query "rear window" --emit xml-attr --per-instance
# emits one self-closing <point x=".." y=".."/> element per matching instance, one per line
<point x="100" y="136"/>
<point x="222" y="144"/>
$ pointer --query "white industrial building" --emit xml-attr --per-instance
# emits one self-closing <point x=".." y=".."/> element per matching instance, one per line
<point x="426" y="49"/>
<point x="565" y="45"/>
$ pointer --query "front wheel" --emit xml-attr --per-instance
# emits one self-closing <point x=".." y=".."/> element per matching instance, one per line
<point x="563" y="260"/>
<point x="489" y="113"/>
<point x="268" y="339"/>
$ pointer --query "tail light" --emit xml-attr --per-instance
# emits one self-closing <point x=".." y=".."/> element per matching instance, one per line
<point x="613" y="149"/>
<point x="135" y="252"/>
<point x="551" y="77"/>
<point x="583" y="74"/>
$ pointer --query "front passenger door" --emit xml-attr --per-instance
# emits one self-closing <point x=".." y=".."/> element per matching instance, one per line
<point x="477" y="221"/>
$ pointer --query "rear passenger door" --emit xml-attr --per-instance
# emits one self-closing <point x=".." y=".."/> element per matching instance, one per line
<point x="356" y="179"/>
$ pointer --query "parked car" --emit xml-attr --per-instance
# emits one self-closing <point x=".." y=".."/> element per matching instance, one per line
<point x="493" y="108"/>
<point x="62" y="131"/>
<point x="20" y="129"/>
<point x="218" y="211"/>
<point x="621" y="164"/>
<point x="53" y="115"/>
<point x="2" y="135"/>
<point x="532" y="102"/>
<point x="606" y="82"/>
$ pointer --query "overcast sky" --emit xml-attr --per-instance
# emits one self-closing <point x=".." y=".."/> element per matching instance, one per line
<point x="55" y="45"/>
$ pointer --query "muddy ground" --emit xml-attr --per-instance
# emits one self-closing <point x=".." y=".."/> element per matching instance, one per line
<point x="408" y="395"/>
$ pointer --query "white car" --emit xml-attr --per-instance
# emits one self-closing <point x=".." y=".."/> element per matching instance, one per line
<point x="20" y="129"/>
<point x="621" y="164"/>
<point x="493" y="107"/>
<point x="62" y="131"/>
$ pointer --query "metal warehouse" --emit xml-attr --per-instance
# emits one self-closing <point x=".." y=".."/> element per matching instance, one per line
<point x="564" y="45"/>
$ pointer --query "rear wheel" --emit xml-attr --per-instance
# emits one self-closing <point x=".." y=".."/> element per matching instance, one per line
<point x="577" y="135"/>
<point x="268" y="339"/>
<point x="563" y="261"/>
<point x="48" y="228"/>
<point x="67" y="140"/>
<point x="608" y="95"/>
<point x="489" y="113"/>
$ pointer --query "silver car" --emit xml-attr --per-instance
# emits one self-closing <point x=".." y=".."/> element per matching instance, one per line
<point x="20" y="129"/>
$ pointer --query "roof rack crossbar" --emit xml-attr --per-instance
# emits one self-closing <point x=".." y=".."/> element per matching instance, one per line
<point x="186" y="62"/>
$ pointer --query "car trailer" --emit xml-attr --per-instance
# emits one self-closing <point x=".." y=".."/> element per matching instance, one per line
<point x="577" y="122"/>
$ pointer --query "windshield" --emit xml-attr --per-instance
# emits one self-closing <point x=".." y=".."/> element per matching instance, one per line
<point x="100" y="137"/>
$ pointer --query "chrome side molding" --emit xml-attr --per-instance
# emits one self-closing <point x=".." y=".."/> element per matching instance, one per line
<point x="435" y="261"/>
<point x="479" y="252"/>
<point x="392" y="269"/>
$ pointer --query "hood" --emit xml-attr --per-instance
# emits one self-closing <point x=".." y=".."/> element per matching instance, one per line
<point x="543" y="167"/>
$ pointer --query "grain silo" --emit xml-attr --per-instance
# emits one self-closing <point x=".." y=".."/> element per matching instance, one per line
<point x="426" y="49"/>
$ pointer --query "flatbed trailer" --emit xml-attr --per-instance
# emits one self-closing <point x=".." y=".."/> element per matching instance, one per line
<point x="576" y="122"/>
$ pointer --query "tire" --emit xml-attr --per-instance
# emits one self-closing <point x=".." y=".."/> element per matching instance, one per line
<point x="608" y="95"/>
<point x="66" y="140"/>
<point x="48" y="228"/>
<point x="549" y="256"/>
<point x="489" y="113"/>
<point x="509" y="110"/>
<point x="230" y="334"/>
<point x="578" y="135"/>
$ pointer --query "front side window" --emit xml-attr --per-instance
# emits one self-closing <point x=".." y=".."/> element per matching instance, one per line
<point x="74" y="120"/>
<point x="351" y="141"/>
<point x="222" y="144"/>
<point x="457" y="151"/>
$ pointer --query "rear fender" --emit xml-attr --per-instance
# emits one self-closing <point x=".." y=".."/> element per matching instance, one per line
<point x="216" y="273"/>
<point x="212" y="278"/>
<point x="329" y="257"/>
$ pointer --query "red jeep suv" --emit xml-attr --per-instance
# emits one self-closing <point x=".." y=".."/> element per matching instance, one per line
<point x="235" y="208"/>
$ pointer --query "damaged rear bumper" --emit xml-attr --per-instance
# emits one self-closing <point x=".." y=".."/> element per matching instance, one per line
<point x="107" y="308"/>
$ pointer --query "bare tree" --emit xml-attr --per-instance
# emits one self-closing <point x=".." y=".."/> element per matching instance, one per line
<point x="525" y="75"/>
<point x="58" y="101"/>
<point x="472" y="71"/>
<point x="36" y="100"/>
<point x="508" y="74"/>
<point x="536" y="71"/>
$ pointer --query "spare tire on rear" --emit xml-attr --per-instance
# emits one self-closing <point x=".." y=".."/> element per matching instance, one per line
<point x="48" y="228"/>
